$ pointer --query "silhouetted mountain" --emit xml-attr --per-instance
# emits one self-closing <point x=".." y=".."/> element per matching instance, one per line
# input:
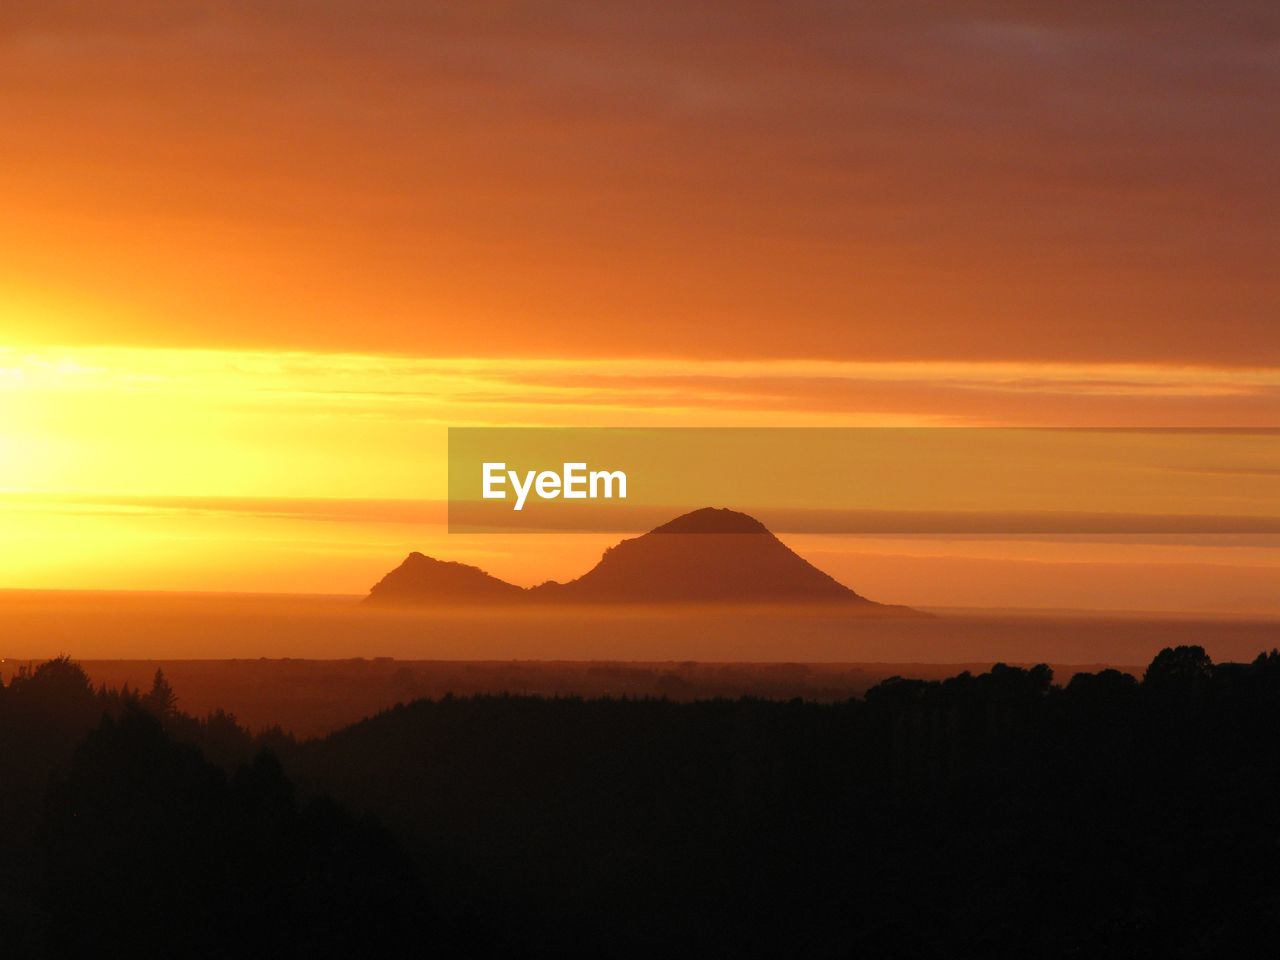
<point x="709" y="555"/>
<point x="423" y="579"/>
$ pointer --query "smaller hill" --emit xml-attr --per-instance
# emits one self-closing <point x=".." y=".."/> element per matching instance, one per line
<point x="422" y="579"/>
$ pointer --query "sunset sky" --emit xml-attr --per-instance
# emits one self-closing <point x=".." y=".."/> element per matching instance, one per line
<point x="257" y="258"/>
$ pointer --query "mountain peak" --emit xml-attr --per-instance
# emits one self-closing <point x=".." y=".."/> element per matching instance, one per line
<point x="702" y="557"/>
<point x="713" y="520"/>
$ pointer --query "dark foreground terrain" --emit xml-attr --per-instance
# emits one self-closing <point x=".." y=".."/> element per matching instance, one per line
<point x="991" y="815"/>
<point x="313" y="698"/>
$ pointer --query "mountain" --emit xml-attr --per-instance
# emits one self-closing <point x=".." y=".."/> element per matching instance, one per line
<point x="424" y="580"/>
<point x="707" y="556"/>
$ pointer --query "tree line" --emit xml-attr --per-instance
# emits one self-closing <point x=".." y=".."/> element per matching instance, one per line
<point x="988" y="815"/>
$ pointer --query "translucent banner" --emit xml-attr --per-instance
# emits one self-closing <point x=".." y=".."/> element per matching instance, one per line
<point x="869" y="480"/>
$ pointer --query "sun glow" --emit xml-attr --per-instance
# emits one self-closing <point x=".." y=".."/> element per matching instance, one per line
<point x="302" y="471"/>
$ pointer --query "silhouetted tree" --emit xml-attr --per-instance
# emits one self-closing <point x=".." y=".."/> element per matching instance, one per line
<point x="147" y="843"/>
<point x="161" y="700"/>
<point x="1183" y="671"/>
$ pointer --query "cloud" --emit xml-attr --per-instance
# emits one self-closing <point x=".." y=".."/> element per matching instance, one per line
<point x="920" y="180"/>
<point x="629" y="391"/>
<point x="921" y="528"/>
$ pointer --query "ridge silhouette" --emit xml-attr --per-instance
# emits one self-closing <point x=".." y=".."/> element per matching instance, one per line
<point x="424" y="579"/>
<point x="712" y="555"/>
<point x="985" y="815"/>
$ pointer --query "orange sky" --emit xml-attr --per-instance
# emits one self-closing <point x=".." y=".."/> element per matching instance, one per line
<point x="1092" y="181"/>
<point x="273" y="250"/>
